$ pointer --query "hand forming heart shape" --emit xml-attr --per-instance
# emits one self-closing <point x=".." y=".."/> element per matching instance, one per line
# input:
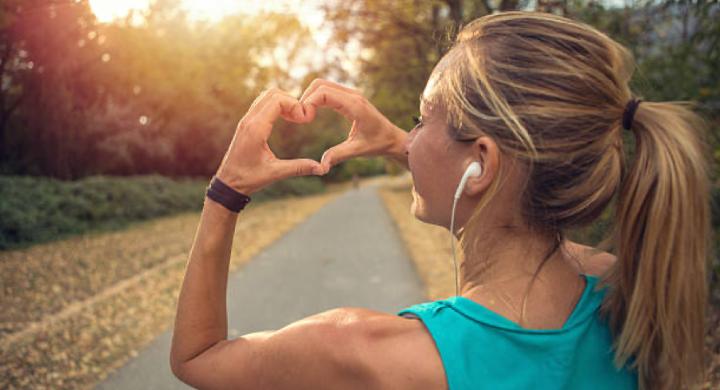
<point x="249" y="165"/>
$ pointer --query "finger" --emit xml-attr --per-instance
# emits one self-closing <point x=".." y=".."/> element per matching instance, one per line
<point x="320" y="82"/>
<point x="317" y="83"/>
<point x="298" y="167"/>
<point x="269" y="109"/>
<point x="338" y="154"/>
<point x="257" y="100"/>
<point x="345" y="103"/>
<point x="294" y="114"/>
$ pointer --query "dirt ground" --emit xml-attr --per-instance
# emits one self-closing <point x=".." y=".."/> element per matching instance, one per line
<point x="74" y="310"/>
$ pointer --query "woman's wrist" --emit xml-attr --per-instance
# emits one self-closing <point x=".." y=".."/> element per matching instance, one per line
<point x="221" y="193"/>
<point x="218" y="211"/>
<point x="395" y="151"/>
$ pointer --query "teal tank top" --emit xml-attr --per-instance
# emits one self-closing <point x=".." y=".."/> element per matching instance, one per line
<point x="481" y="349"/>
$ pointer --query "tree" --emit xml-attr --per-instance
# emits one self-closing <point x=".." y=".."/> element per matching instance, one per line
<point x="401" y="41"/>
<point x="154" y="92"/>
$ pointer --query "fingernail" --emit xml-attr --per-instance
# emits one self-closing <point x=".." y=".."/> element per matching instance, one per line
<point x="319" y="171"/>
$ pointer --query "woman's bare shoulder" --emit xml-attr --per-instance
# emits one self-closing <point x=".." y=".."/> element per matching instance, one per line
<point x="586" y="259"/>
<point x="401" y="352"/>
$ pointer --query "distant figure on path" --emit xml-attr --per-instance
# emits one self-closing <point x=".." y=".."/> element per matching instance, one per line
<point x="520" y="139"/>
<point x="356" y="181"/>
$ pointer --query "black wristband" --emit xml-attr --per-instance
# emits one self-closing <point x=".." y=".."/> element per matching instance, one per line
<point x="226" y="196"/>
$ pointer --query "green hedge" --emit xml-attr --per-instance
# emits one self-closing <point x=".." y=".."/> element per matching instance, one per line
<point x="39" y="209"/>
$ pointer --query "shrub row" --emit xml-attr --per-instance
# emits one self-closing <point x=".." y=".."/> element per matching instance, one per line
<point x="39" y="209"/>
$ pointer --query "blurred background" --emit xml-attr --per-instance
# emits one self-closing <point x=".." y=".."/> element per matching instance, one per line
<point x="113" y="112"/>
<point x="127" y="88"/>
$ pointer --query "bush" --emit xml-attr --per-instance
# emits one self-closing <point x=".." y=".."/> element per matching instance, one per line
<point x="294" y="186"/>
<point x="38" y="209"/>
<point x="361" y="166"/>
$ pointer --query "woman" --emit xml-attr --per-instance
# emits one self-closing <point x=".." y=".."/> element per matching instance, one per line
<point x="541" y="103"/>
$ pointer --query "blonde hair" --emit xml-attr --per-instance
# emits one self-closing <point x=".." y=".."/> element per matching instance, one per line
<point x="551" y="93"/>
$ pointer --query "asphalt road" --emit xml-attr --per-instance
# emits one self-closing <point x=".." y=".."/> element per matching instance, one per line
<point x="348" y="254"/>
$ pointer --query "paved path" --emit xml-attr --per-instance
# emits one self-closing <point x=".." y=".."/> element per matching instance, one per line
<point x="347" y="254"/>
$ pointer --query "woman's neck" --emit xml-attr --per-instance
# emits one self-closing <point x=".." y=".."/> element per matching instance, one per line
<point x="505" y="258"/>
<point x="499" y="275"/>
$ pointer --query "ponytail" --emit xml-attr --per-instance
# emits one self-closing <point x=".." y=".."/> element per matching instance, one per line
<point x="550" y="92"/>
<point x="657" y="299"/>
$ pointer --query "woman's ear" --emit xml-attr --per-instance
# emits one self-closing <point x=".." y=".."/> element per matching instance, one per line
<point x="484" y="151"/>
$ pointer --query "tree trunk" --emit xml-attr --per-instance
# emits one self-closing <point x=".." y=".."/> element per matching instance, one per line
<point x="455" y="12"/>
<point x="4" y="113"/>
<point x="435" y="29"/>
<point x="507" y="5"/>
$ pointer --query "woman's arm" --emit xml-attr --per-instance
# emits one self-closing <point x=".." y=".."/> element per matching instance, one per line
<point x="324" y="351"/>
<point x="248" y="166"/>
<point x="338" y="349"/>
<point x="201" y="319"/>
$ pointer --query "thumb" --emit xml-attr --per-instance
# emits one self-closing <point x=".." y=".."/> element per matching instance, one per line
<point x="337" y="154"/>
<point x="298" y="167"/>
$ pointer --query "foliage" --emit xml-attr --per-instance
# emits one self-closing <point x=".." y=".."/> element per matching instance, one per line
<point x="153" y="93"/>
<point x="34" y="210"/>
<point x="159" y="93"/>
<point x="361" y="166"/>
<point x="401" y="42"/>
<point x="399" y="49"/>
<point x="294" y="186"/>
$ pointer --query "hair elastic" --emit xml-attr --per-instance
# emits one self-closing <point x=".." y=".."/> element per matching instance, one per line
<point x="629" y="112"/>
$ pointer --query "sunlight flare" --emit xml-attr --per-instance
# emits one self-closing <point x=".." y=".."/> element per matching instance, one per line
<point x="108" y="10"/>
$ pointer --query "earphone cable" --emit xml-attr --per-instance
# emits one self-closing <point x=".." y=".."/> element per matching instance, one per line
<point x="452" y="244"/>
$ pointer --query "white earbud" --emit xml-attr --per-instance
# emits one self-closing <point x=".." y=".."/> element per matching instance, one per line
<point x="474" y="170"/>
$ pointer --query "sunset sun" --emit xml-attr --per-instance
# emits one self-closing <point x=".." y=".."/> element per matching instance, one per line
<point x="107" y="10"/>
